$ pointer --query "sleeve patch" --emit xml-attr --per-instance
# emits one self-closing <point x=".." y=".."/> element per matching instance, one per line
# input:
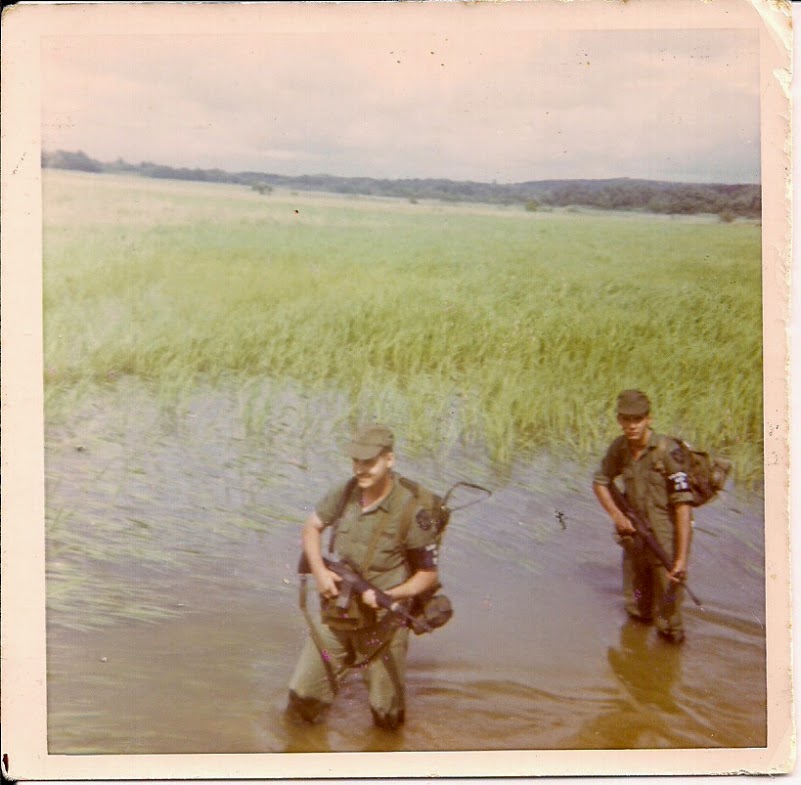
<point x="679" y="482"/>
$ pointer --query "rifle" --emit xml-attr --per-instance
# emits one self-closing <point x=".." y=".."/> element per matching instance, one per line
<point x="352" y="581"/>
<point x="647" y="535"/>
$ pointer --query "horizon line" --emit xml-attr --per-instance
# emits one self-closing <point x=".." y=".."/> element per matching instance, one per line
<point x="609" y="178"/>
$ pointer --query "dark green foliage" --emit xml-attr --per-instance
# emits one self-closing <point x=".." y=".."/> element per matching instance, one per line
<point x="78" y="161"/>
<point x="738" y="200"/>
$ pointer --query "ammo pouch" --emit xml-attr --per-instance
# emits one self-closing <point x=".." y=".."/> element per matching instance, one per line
<point x="354" y="616"/>
<point x="434" y="610"/>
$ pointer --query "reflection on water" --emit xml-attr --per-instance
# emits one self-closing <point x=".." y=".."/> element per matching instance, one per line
<point x="647" y="671"/>
<point x="173" y="623"/>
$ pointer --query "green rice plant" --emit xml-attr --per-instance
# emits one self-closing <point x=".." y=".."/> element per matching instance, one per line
<point x="460" y="323"/>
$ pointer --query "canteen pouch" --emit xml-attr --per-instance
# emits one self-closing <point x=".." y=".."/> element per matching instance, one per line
<point x="435" y="611"/>
<point x="355" y="616"/>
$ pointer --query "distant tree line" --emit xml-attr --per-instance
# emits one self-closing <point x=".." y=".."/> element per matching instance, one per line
<point x="727" y="201"/>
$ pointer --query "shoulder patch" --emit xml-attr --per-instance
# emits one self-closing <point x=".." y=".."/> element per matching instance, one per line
<point x="680" y="483"/>
<point x="425" y="520"/>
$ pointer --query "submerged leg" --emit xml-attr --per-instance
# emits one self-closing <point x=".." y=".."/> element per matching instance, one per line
<point x="317" y="675"/>
<point x="385" y="677"/>
<point x="670" y="596"/>
<point x="638" y="589"/>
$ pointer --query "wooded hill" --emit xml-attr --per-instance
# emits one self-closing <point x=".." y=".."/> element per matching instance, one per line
<point x="729" y="201"/>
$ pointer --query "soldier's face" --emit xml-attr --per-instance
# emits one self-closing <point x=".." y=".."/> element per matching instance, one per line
<point x="635" y="427"/>
<point x="374" y="472"/>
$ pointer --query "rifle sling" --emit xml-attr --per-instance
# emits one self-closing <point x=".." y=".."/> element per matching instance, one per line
<point x="315" y="635"/>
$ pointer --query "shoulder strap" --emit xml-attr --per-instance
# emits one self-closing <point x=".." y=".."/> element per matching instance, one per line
<point x="662" y="447"/>
<point x="406" y="517"/>
<point x="407" y="511"/>
<point x="343" y="502"/>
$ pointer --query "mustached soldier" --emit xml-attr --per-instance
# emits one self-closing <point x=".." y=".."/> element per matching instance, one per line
<point x="379" y="529"/>
<point x="656" y="487"/>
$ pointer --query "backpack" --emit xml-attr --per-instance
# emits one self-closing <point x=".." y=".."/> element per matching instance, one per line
<point x="706" y="474"/>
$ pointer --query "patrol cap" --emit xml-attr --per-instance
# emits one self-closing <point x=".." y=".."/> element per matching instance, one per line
<point x="633" y="403"/>
<point x="368" y="441"/>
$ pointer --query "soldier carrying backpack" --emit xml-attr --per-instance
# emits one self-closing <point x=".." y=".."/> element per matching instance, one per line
<point x="663" y="480"/>
<point x="379" y="575"/>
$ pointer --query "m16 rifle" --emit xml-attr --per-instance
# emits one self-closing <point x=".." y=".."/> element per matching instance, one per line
<point x="352" y="581"/>
<point x="647" y="535"/>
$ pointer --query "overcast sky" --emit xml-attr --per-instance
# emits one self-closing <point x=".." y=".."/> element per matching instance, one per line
<point x="675" y="105"/>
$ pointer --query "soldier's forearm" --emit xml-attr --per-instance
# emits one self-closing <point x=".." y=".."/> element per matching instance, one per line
<point x="604" y="497"/>
<point x="683" y="533"/>
<point x="420" y="582"/>
<point x="312" y="547"/>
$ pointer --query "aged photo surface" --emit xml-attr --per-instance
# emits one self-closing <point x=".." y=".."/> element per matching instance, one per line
<point x="520" y="255"/>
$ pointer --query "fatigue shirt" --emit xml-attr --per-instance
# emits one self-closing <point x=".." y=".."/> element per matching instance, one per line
<point x="653" y="483"/>
<point x="356" y="529"/>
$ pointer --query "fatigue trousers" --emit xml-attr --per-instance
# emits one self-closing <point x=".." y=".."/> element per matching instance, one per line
<point x="384" y="675"/>
<point x="648" y="594"/>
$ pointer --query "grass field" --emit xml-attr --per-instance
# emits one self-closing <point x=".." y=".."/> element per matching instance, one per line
<point x="456" y="322"/>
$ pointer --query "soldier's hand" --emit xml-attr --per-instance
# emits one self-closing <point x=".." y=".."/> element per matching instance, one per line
<point x="624" y="526"/>
<point x="368" y="598"/>
<point x="327" y="584"/>
<point x="678" y="574"/>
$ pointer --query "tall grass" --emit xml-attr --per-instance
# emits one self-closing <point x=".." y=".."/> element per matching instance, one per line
<point x="496" y="325"/>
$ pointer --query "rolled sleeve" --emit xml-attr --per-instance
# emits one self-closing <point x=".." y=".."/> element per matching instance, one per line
<point x="610" y="466"/>
<point x="600" y="478"/>
<point x="327" y="507"/>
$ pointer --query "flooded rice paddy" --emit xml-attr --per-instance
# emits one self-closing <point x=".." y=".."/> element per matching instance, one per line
<point x="173" y="621"/>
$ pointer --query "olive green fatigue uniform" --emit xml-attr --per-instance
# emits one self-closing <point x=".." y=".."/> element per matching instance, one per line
<point x="653" y="483"/>
<point x="388" y="566"/>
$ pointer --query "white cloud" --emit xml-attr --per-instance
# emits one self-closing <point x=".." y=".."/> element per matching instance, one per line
<point x="514" y="107"/>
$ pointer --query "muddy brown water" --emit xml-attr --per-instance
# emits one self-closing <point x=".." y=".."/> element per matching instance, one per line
<point x="173" y="624"/>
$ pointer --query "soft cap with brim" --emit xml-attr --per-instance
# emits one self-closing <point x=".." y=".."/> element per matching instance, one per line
<point x="368" y="441"/>
<point x="633" y="403"/>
